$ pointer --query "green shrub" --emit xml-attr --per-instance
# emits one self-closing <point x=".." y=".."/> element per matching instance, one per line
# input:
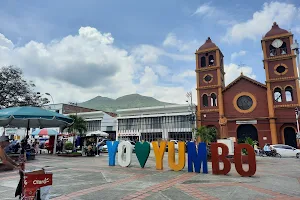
<point x="69" y="146"/>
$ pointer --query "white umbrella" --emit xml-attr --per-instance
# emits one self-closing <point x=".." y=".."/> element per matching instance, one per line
<point x="97" y="133"/>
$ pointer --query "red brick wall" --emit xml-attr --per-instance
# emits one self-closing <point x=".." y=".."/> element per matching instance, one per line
<point x="243" y="85"/>
<point x="214" y="75"/>
<point x="290" y="70"/>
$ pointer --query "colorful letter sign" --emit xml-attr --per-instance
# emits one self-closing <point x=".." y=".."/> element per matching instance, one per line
<point x="196" y="159"/>
<point x="124" y="145"/>
<point x="112" y="149"/>
<point x="159" y="152"/>
<point x="181" y="156"/>
<point x="215" y="158"/>
<point x="142" y="151"/>
<point x="238" y="160"/>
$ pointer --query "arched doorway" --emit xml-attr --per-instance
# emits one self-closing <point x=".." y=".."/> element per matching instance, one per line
<point x="290" y="136"/>
<point x="247" y="130"/>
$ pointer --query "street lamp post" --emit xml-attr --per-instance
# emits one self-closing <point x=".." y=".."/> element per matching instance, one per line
<point x="295" y="47"/>
<point x="50" y="96"/>
<point x="191" y="106"/>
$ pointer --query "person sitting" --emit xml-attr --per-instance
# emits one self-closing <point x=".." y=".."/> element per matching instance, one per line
<point x="267" y="149"/>
<point x="7" y="162"/>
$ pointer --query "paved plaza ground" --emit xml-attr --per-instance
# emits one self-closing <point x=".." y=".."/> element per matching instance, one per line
<point x="90" y="178"/>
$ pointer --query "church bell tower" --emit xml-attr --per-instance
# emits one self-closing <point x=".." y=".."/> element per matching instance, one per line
<point x="281" y="76"/>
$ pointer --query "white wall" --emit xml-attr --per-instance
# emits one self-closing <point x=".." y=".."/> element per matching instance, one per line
<point x="108" y="121"/>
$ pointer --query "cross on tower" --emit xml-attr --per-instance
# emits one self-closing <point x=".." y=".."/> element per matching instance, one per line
<point x="241" y="65"/>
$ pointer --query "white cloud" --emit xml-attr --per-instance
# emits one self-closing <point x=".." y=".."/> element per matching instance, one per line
<point x="296" y="29"/>
<point x="81" y="66"/>
<point x="232" y="71"/>
<point x="184" y="76"/>
<point x="205" y="10"/>
<point x="149" y="54"/>
<point x="172" y="41"/>
<point x="237" y="54"/>
<point x="5" y="43"/>
<point x="149" y="87"/>
<point x="282" y="13"/>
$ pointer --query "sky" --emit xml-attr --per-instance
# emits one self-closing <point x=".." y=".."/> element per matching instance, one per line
<point x="77" y="50"/>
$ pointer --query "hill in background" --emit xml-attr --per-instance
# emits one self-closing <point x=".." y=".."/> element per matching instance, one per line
<point x="124" y="102"/>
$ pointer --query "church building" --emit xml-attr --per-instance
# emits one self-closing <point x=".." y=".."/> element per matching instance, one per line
<point x="244" y="108"/>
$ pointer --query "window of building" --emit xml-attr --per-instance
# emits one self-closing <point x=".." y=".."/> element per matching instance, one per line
<point x="203" y="61"/>
<point x="277" y="95"/>
<point x="149" y="137"/>
<point x="272" y="50"/>
<point x="181" y="136"/>
<point x="205" y="100"/>
<point x="109" y="128"/>
<point x="289" y="93"/>
<point x="93" y="125"/>
<point x="280" y="69"/>
<point x="213" y="99"/>
<point x="211" y="60"/>
<point x="283" y="49"/>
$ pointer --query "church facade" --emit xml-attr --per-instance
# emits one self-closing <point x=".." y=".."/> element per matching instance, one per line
<point x="245" y="108"/>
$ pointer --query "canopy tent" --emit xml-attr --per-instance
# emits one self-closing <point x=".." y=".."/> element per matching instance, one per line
<point x="33" y="117"/>
<point x="97" y="133"/>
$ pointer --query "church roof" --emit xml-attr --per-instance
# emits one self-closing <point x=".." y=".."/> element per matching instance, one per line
<point x="207" y="45"/>
<point x="245" y="78"/>
<point x="275" y="30"/>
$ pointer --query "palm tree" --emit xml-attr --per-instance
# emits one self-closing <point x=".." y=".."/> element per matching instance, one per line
<point x="79" y="126"/>
<point x="206" y="134"/>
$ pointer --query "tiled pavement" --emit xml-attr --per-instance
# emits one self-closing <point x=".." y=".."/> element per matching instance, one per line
<point x="85" y="178"/>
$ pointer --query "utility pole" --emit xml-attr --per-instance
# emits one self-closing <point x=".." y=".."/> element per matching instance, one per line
<point x="295" y="47"/>
<point x="193" y="120"/>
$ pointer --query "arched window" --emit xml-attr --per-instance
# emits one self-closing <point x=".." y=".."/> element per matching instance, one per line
<point x="283" y="49"/>
<point x="205" y="100"/>
<point x="289" y="93"/>
<point x="213" y="99"/>
<point x="277" y="95"/>
<point x="272" y="50"/>
<point x="203" y="61"/>
<point x="211" y="60"/>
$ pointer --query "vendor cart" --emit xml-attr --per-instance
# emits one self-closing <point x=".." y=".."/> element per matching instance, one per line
<point x="33" y="182"/>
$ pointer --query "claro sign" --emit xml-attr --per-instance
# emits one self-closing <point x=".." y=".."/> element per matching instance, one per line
<point x="196" y="159"/>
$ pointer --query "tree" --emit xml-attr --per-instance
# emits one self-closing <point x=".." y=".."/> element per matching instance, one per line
<point x="206" y="134"/>
<point x="78" y="126"/>
<point x="16" y="91"/>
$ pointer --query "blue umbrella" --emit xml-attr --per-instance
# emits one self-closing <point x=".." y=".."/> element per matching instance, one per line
<point x="44" y="131"/>
<point x="33" y="117"/>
